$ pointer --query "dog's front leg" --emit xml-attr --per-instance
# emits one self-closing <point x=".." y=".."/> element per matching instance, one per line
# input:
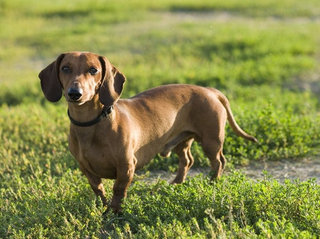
<point x="123" y="181"/>
<point x="96" y="185"/>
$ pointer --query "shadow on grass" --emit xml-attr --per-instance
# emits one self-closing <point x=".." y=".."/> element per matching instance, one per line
<point x="192" y="9"/>
<point x="68" y="14"/>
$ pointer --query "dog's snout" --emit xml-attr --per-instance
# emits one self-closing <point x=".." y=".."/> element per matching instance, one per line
<point x="75" y="93"/>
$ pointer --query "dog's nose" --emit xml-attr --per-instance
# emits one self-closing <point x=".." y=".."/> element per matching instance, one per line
<point x="75" y="93"/>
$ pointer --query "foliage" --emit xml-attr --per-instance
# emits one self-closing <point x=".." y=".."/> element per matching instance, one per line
<point x="234" y="206"/>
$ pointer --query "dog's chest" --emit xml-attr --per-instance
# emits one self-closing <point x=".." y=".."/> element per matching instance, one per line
<point x="91" y="155"/>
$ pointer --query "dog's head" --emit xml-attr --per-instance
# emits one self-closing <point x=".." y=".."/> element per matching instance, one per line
<point x="80" y="76"/>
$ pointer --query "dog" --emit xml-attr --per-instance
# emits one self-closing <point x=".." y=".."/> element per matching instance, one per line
<point x="112" y="138"/>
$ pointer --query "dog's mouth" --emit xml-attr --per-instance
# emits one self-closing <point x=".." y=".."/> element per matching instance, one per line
<point x="75" y="102"/>
<point x="72" y="100"/>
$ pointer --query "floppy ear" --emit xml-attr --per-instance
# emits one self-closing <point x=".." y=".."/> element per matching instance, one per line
<point x="111" y="83"/>
<point x="49" y="79"/>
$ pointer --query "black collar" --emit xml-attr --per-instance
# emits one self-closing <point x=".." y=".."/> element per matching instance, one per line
<point x="105" y="112"/>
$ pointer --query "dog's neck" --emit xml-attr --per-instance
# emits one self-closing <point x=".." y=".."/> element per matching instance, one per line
<point x="87" y="112"/>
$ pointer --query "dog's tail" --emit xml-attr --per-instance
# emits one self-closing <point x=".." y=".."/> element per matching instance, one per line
<point x="236" y="128"/>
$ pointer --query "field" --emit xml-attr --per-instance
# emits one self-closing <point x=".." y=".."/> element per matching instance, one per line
<point x="264" y="55"/>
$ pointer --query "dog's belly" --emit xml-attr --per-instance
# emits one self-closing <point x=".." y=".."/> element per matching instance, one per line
<point x="163" y="146"/>
<point x="174" y="141"/>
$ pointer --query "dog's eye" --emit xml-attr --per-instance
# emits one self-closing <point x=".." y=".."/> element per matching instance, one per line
<point x="93" y="71"/>
<point x="66" y="69"/>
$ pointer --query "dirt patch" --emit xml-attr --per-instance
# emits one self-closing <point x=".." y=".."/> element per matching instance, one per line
<point x="226" y="16"/>
<point x="303" y="169"/>
<point x="284" y="169"/>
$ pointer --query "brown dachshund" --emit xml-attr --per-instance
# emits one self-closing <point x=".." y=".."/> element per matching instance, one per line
<point x="112" y="137"/>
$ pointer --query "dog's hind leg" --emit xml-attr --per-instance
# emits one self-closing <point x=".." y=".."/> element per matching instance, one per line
<point x="213" y="149"/>
<point x="185" y="160"/>
<point x="223" y="160"/>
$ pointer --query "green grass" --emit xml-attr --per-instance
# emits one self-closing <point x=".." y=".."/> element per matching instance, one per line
<point x="235" y="206"/>
<point x="264" y="55"/>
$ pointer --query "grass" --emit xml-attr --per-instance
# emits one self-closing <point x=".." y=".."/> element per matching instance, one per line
<point x="263" y="55"/>
<point x="235" y="206"/>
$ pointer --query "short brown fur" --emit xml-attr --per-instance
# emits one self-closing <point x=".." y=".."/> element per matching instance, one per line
<point x="163" y="119"/>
